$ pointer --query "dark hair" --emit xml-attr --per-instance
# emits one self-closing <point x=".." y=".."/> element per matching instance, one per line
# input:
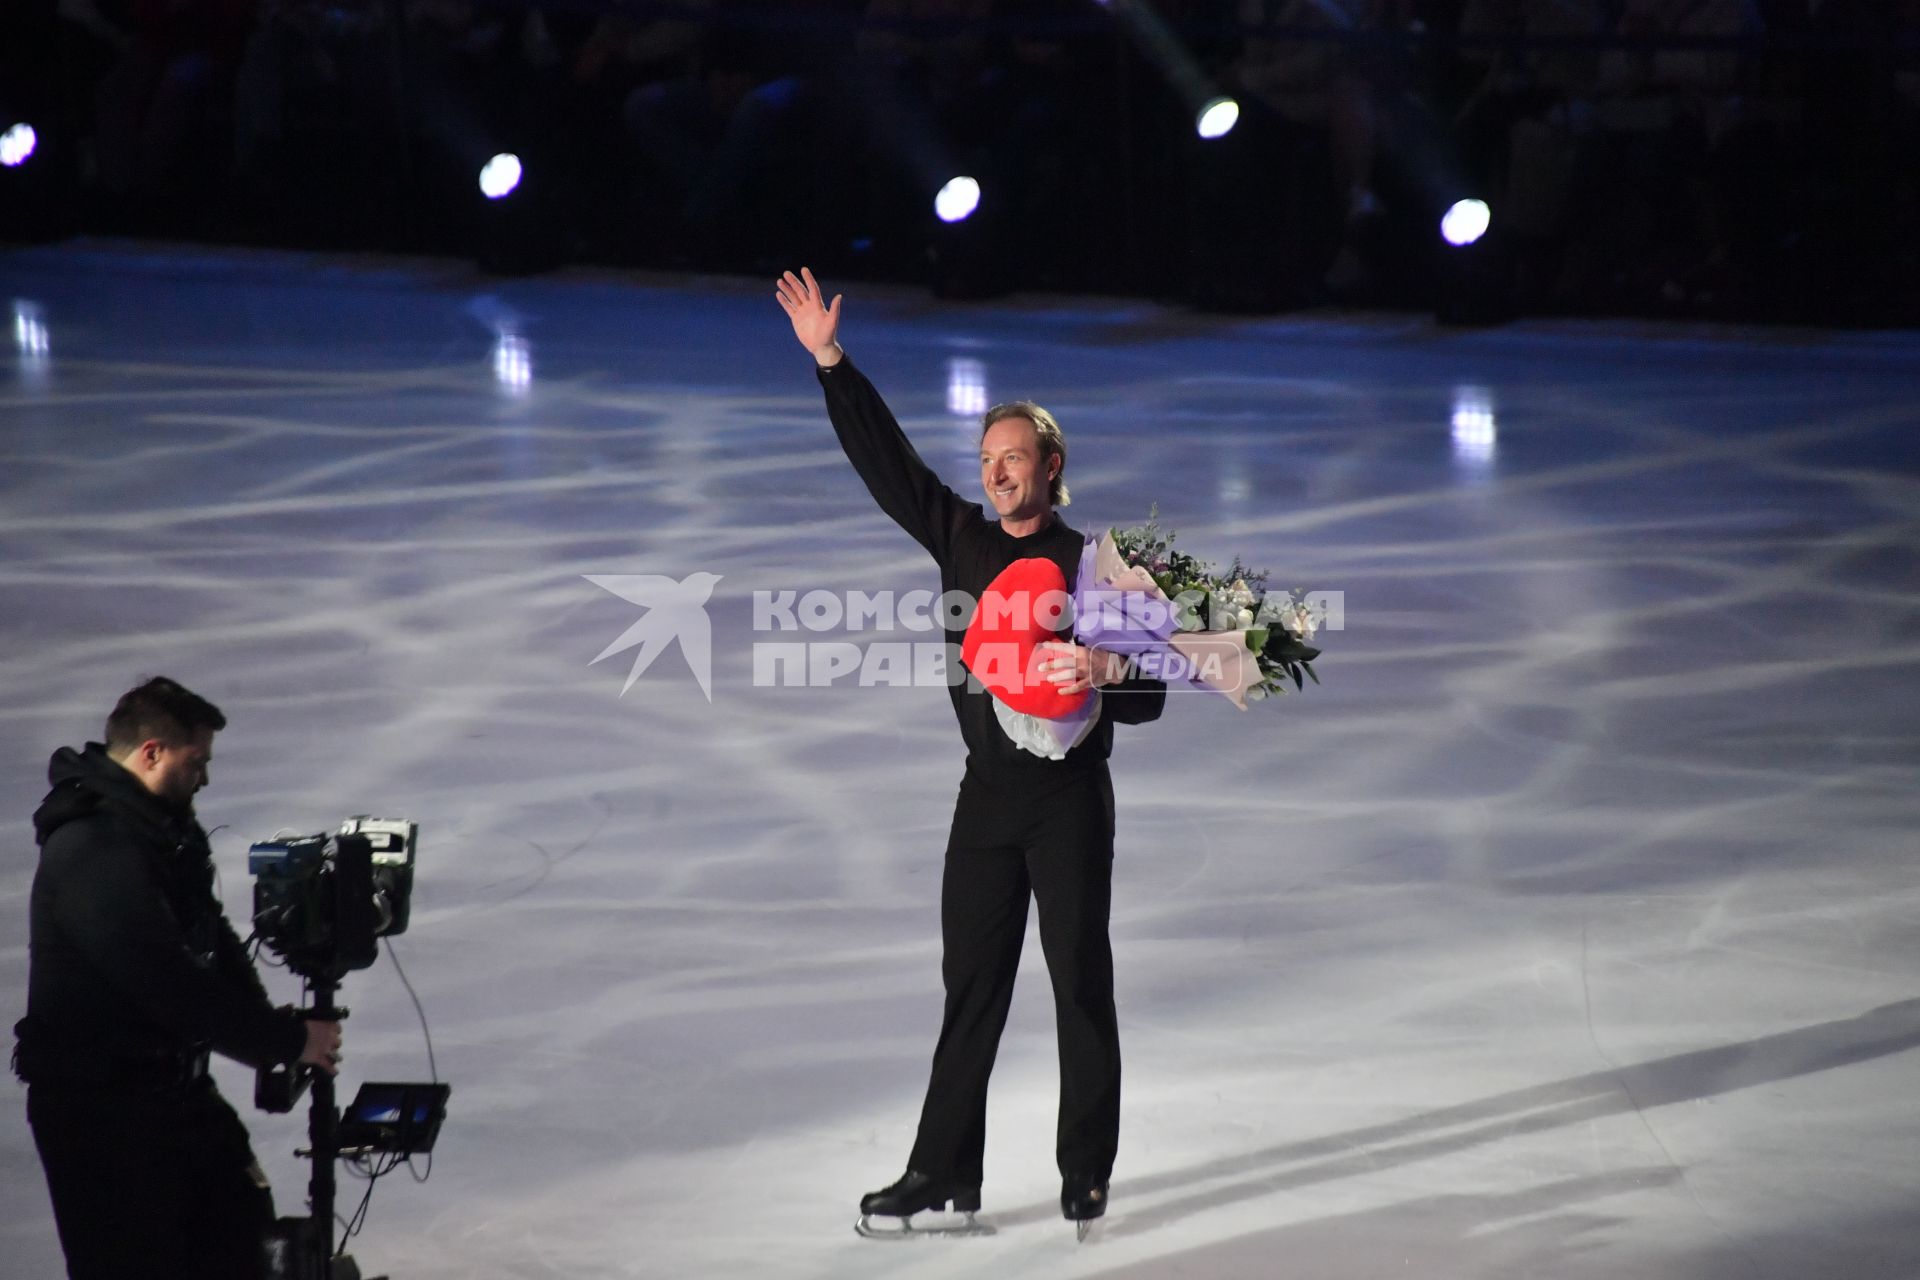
<point x="162" y="709"/>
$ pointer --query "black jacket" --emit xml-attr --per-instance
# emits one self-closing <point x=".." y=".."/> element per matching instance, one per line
<point x="971" y="550"/>
<point x="133" y="962"/>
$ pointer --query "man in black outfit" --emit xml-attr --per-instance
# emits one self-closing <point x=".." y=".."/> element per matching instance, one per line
<point x="1024" y="824"/>
<point x="135" y="975"/>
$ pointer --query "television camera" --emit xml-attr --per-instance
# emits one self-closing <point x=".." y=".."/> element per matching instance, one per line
<point x="321" y="903"/>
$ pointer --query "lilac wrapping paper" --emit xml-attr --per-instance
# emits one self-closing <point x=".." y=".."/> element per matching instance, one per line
<point x="1119" y="613"/>
<point x="1118" y="607"/>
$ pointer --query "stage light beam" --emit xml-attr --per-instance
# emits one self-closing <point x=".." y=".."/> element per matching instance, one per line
<point x="957" y="200"/>
<point x="1214" y="114"/>
<point x="1465" y="222"/>
<point x="500" y="176"/>
<point x="17" y="144"/>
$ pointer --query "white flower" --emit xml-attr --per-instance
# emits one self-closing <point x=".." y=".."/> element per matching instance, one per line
<point x="1299" y="619"/>
<point x="1256" y="693"/>
<point x="1240" y="593"/>
<point x="1243" y="619"/>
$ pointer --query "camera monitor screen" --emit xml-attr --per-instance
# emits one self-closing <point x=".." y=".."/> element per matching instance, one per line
<point x="399" y="1118"/>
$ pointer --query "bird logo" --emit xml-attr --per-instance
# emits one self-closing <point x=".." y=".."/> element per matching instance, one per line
<point x="674" y="611"/>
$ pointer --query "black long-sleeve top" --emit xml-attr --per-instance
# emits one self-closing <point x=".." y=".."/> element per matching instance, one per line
<point x="971" y="550"/>
<point x="133" y="961"/>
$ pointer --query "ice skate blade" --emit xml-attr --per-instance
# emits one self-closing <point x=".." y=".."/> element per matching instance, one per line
<point x="1083" y="1228"/>
<point x="942" y="1224"/>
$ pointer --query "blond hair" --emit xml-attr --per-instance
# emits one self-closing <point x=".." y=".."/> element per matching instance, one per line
<point x="1053" y="441"/>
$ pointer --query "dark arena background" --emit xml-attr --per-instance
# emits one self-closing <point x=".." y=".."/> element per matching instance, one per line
<point x="362" y="361"/>
<point x="1733" y="159"/>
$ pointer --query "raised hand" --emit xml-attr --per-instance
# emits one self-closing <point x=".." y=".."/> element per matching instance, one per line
<point x="815" y="324"/>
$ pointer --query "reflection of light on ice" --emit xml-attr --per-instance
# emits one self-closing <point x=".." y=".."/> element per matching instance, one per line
<point x="30" y="331"/>
<point x="1475" y="436"/>
<point x="513" y="364"/>
<point x="966" y="387"/>
<point x="311" y="570"/>
<point x="30" y="338"/>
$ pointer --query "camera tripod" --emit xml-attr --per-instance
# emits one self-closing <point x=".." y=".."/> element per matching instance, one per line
<point x="302" y="1248"/>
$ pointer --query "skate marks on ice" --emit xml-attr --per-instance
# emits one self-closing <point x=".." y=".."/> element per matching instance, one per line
<point x="1653" y="596"/>
<point x="1547" y="1227"/>
<point x="1556" y="1229"/>
<point x="1705" y="1073"/>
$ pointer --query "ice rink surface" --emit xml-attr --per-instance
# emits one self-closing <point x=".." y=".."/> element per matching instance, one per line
<point x="1569" y="930"/>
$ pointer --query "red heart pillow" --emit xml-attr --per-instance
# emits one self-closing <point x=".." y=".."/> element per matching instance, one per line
<point x="1026" y="605"/>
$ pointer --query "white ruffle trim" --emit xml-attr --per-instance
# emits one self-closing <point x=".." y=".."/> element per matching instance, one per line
<point x="1049" y="738"/>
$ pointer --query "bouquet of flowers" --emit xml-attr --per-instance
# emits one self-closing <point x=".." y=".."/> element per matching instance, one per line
<point x="1181" y="619"/>
<point x="1171" y="615"/>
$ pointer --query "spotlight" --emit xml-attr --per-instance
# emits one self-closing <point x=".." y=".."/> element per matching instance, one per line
<point x="36" y="178"/>
<point x="1465" y="222"/>
<point x="1217" y="118"/>
<point x="521" y="227"/>
<point x="967" y="249"/>
<point x="1214" y="114"/>
<point x="500" y="176"/>
<point x="16" y="144"/>
<point x="957" y="200"/>
<point x="1472" y="278"/>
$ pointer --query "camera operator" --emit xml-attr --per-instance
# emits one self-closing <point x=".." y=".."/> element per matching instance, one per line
<point x="135" y="976"/>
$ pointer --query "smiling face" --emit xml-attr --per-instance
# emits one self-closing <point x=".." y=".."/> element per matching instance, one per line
<point x="1015" y="472"/>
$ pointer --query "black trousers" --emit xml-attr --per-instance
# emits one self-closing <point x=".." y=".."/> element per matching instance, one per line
<point x="152" y="1185"/>
<point x="1057" y="848"/>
